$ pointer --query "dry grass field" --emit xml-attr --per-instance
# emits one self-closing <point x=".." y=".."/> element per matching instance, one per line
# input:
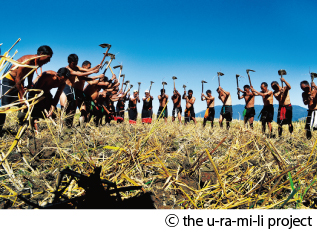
<point x="164" y="166"/>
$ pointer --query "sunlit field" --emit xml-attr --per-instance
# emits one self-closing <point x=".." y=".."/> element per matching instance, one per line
<point x="170" y="165"/>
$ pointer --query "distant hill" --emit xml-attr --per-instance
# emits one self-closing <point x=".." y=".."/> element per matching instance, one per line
<point x="298" y="112"/>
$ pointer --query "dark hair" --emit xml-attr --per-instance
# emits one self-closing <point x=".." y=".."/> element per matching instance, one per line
<point x="274" y="83"/>
<point x="246" y="86"/>
<point x="86" y="62"/>
<point x="63" y="72"/>
<point x="190" y="91"/>
<point x="44" y="50"/>
<point x="304" y="82"/>
<point x="72" y="58"/>
<point x="162" y="90"/>
<point x="217" y="89"/>
<point x="208" y="91"/>
<point x="264" y="84"/>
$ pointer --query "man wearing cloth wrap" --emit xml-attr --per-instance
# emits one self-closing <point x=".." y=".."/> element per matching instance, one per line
<point x="226" y="110"/>
<point x="120" y="108"/>
<point x="267" y="111"/>
<point x="16" y="74"/>
<point x="47" y="81"/>
<point x="73" y="95"/>
<point x="177" y="108"/>
<point x="285" y="109"/>
<point x="162" y="112"/>
<point x="189" y="111"/>
<point x="147" y="109"/>
<point x="249" y="110"/>
<point x="210" y="111"/>
<point x="133" y="112"/>
<point x="310" y="98"/>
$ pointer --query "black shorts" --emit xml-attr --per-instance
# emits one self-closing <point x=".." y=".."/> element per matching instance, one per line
<point x="73" y="95"/>
<point x="189" y="114"/>
<point x="250" y="112"/>
<point x="226" y="112"/>
<point x="267" y="113"/>
<point x="209" y="114"/>
<point x="162" y="114"/>
<point x="285" y="117"/>
<point x="177" y="110"/>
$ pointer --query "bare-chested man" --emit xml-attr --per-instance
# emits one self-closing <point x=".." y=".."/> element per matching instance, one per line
<point x="16" y="74"/>
<point x="226" y="110"/>
<point x="94" y="100"/>
<point x="189" y="111"/>
<point x="285" y="109"/>
<point x="147" y="109"/>
<point x="162" y="111"/>
<point x="210" y="111"/>
<point x="177" y="107"/>
<point x="120" y="108"/>
<point x="47" y="81"/>
<point x="267" y="111"/>
<point x="73" y="95"/>
<point x="310" y="98"/>
<point x="249" y="110"/>
<point x="133" y="112"/>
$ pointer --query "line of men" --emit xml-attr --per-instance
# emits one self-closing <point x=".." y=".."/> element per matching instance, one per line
<point x="281" y="94"/>
<point x="71" y="93"/>
<point x="91" y="101"/>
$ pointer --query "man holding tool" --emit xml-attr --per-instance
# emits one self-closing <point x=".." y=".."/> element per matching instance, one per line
<point x="189" y="111"/>
<point x="210" y="111"/>
<point x="13" y="82"/>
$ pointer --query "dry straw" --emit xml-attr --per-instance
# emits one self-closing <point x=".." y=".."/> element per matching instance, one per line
<point x="183" y="166"/>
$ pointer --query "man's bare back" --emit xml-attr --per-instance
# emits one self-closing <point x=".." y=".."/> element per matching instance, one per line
<point x="48" y="80"/>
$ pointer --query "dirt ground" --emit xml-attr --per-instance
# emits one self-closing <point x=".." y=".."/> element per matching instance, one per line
<point x="167" y="164"/>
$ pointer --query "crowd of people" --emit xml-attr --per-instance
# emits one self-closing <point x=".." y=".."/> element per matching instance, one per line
<point x="97" y="99"/>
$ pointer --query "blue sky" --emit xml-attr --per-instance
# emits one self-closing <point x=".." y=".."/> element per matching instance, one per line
<point x="193" y="40"/>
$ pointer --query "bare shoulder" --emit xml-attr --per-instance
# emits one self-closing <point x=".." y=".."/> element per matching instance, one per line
<point x="29" y="58"/>
<point x="69" y="68"/>
<point x="51" y="72"/>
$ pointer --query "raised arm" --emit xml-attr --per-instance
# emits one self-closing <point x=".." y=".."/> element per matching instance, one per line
<point x="89" y="70"/>
<point x="239" y="90"/>
<point x="305" y="99"/>
<point x="184" y="96"/>
<point x="288" y="86"/>
<point x="203" y="97"/>
<point x="82" y="74"/>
